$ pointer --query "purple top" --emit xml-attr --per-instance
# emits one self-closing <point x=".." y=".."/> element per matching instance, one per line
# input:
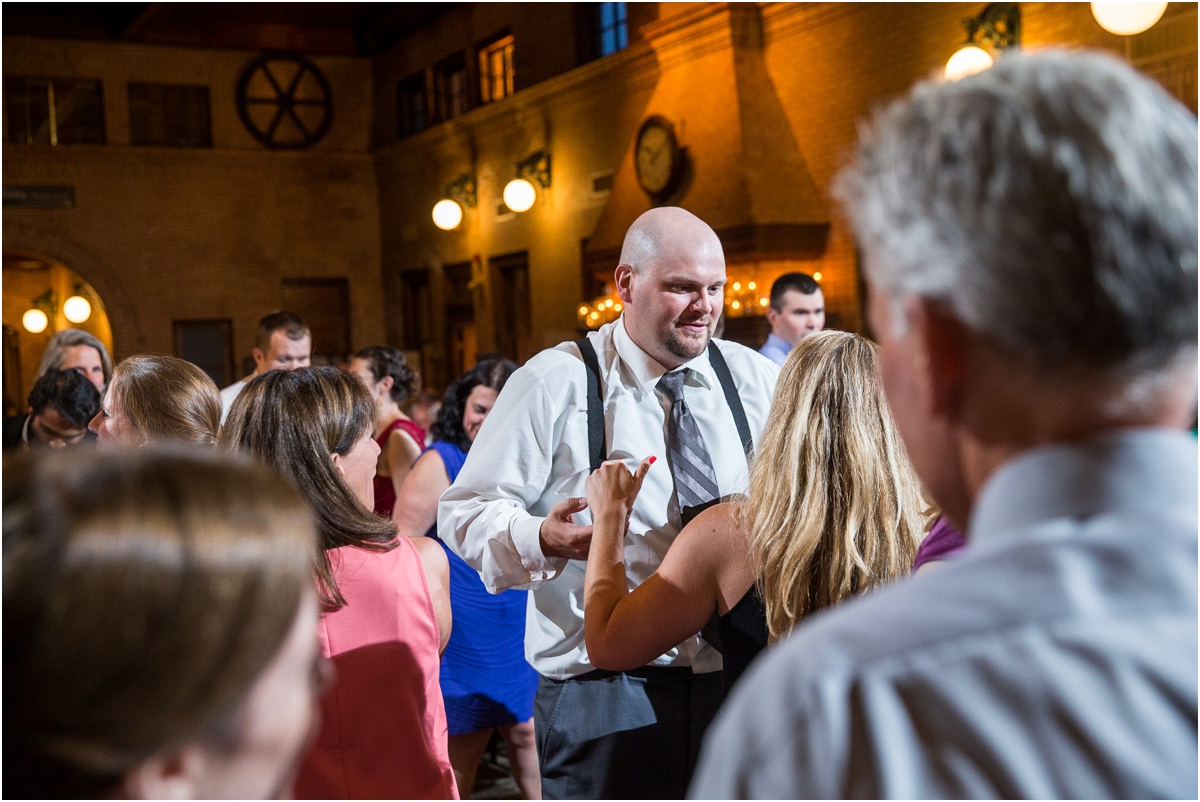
<point x="942" y="542"/>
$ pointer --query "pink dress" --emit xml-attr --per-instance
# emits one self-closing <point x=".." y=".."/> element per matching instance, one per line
<point x="383" y="724"/>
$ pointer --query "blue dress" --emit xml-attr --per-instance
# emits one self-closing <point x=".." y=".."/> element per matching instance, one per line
<point x="485" y="680"/>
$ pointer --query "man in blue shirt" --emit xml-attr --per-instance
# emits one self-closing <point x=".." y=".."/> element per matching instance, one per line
<point x="797" y="310"/>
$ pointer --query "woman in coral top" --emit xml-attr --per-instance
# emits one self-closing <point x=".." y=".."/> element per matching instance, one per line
<point x="386" y="605"/>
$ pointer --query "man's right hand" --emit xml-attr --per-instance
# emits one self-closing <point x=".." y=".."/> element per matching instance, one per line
<point x="560" y="536"/>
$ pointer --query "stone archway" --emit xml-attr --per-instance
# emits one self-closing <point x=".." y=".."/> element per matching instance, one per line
<point x="37" y="286"/>
<point x="124" y="319"/>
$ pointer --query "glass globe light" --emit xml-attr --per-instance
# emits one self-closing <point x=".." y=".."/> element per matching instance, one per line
<point x="77" y="309"/>
<point x="519" y="195"/>
<point x="1126" y="19"/>
<point x="968" y="60"/>
<point x="447" y="215"/>
<point x="35" y="321"/>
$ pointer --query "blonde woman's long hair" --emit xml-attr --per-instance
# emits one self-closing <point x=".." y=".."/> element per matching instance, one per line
<point x="835" y="508"/>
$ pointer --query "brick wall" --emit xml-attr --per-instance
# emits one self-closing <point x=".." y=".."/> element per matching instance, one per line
<point x="166" y="234"/>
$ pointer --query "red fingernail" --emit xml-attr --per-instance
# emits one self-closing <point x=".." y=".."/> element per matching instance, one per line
<point x="652" y="459"/>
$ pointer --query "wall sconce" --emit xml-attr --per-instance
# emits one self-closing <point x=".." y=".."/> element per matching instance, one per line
<point x="448" y="212"/>
<point x="77" y="308"/>
<point x="998" y="27"/>
<point x="519" y="194"/>
<point x="36" y="320"/>
<point x="1126" y="19"/>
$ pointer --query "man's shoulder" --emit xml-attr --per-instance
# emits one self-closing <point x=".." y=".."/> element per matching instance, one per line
<point x="1052" y="578"/>
<point x="746" y="364"/>
<point x="554" y="365"/>
<point x="231" y="392"/>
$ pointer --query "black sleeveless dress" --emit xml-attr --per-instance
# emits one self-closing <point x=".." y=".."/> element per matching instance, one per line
<point x="743" y="633"/>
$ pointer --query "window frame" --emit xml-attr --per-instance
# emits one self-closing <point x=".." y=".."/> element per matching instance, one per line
<point x="504" y="45"/>
<point x="443" y="75"/>
<point x="619" y="27"/>
<point x="55" y="127"/>
<point x="162" y="89"/>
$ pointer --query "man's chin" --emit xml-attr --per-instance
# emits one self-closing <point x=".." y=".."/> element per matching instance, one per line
<point x="687" y="344"/>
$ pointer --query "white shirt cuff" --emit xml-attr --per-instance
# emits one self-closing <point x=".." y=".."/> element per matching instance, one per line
<point x="526" y="538"/>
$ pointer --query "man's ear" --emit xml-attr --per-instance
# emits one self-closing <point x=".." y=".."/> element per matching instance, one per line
<point x="171" y="775"/>
<point x="772" y="316"/>
<point x="624" y="279"/>
<point x="942" y="340"/>
<point x="339" y="464"/>
<point x="259" y="359"/>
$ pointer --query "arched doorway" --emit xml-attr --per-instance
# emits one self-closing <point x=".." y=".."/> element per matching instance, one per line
<point x="36" y="282"/>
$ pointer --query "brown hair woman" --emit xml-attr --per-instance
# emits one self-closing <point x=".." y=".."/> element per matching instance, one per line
<point x="834" y="510"/>
<point x="159" y="627"/>
<point x="158" y="399"/>
<point x="386" y="609"/>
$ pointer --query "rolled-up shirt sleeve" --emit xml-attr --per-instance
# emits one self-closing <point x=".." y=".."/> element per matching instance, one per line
<point x="484" y="515"/>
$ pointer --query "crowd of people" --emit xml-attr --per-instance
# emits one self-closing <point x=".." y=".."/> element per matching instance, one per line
<point x="955" y="560"/>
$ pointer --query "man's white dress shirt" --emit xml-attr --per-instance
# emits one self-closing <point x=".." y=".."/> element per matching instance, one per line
<point x="532" y="452"/>
<point x="228" y="395"/>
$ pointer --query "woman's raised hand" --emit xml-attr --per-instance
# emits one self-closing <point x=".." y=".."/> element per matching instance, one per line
<point x="613" y="489"/>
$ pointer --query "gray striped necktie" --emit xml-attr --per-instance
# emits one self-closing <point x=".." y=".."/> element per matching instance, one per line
<point x="691" y="466"/>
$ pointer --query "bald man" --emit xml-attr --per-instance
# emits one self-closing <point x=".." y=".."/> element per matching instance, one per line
<point x="517" y="513"/>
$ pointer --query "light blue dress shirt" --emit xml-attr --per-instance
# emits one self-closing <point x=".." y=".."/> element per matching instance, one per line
<point x="775" y="349"/>
<point x="1055" y="658"/>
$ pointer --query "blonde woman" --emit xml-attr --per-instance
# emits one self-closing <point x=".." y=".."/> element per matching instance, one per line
<point x="834" y="510"/>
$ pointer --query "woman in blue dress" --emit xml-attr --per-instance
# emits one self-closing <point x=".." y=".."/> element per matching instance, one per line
<point x="486" y="682"/>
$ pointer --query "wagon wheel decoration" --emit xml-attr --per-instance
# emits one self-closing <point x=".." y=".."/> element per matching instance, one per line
<point x="285" y="101"/>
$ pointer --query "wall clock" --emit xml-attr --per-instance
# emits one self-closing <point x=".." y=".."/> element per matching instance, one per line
<point x="657" y="158"/>
<point x="285" y="101"/>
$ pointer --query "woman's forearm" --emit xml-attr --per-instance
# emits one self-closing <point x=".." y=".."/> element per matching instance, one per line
<point x="605" y="584"/>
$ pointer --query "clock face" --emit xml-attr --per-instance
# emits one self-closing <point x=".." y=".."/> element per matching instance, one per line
<point x="656" y="156"/>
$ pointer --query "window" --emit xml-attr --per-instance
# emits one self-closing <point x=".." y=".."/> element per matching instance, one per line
<point x="513" y="319"/>
<point x="412" y="104"/>
<point x="54" y="111"/>
<point x="324" y="303"/>
<point x="415" y="307"/>
<point x="496" y="69"/>
<point x="450" y="84"/>
<point x="612" y="28"/>
<point x="461" y="342"/>
<point x="207" y="344"/>
<point x="170" y="115"/>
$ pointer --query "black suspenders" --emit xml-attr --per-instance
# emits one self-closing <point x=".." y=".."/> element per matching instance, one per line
<point x="595" y="415"/>
<point x="595" y="404"/>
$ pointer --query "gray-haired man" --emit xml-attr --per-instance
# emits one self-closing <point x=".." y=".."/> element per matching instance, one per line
<point x="1029" y="236"/>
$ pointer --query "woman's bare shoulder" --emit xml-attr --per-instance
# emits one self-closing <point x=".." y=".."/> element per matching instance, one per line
<point x="709" y="539"/>
<point x="721" y="523"/>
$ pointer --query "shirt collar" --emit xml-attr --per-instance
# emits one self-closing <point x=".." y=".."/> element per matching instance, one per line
<point x="778" y="342"/>
<point x="646" y="370"/>
<point x="1145" y="473"/>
